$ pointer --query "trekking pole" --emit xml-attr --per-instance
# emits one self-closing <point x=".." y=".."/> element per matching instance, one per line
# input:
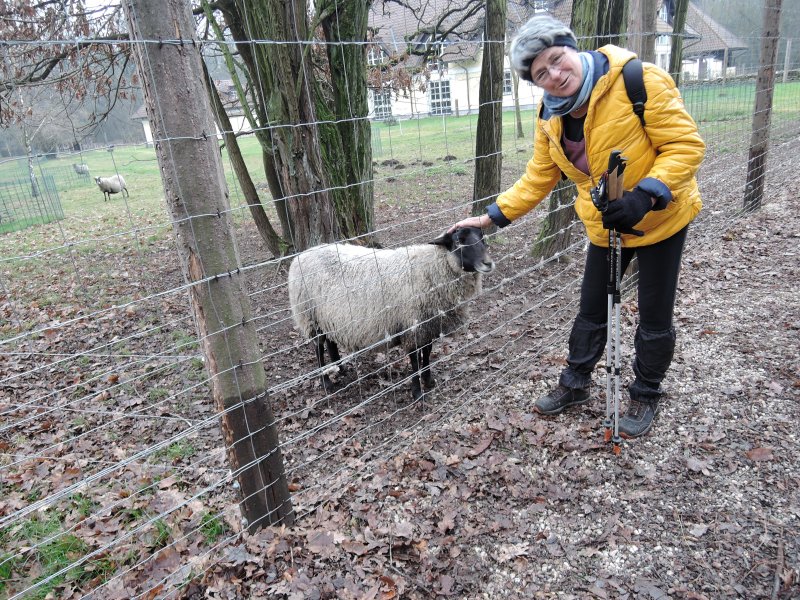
<point x="610" y="188"/>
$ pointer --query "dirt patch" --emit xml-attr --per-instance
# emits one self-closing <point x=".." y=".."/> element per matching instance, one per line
<point x="473" y="496"/>
<point x="466" y="494"/>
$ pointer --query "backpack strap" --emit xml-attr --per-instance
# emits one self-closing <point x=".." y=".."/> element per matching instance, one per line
<point x="633" y="75"/>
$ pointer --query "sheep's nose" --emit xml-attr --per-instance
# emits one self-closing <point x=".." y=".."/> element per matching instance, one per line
<point x="487" y="266"/>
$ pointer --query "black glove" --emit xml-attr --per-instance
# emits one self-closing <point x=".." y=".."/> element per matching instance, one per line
<point x="621" y="215"/>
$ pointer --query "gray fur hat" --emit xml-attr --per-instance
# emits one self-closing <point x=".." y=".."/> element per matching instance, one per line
<point x="537" y="35"/>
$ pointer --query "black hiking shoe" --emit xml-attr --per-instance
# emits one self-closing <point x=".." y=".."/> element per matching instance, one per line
<point x="560" y="398"/>
<point x="638" y="419"/>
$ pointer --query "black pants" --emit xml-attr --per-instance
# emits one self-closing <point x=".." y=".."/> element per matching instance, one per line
<point x="659" y="267"/>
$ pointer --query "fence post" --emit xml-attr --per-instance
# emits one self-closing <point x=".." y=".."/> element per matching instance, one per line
<point x="765" y="85"/>
<point x="194" y="185"/>
<point x="787" y="60"/>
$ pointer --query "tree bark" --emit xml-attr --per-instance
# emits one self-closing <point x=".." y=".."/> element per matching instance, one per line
<point x="611" y="22"/>
<point x="273" y="241"/>
<point x="641" y="39"/>
<point x="194" y="185"/>
<point x="517" y="111"/>
<point x="765" y="84"/>
<point x="283" y="73"/>
<point x="346" y="129"/>
<point x="676" y="52"/>
<point x="489" y="137"/>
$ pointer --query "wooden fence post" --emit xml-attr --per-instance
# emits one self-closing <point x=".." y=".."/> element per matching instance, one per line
<point x="765" y="85"/>
<point x="787" y="65"/>
<point x="188" y="154"/>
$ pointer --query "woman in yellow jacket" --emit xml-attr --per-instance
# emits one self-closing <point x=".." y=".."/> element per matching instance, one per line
<point x="584" y="115"/>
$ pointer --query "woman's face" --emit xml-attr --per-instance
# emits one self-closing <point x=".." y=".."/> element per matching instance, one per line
<point x="558" y="71"/>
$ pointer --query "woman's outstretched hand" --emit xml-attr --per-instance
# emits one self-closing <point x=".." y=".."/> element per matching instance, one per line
<point x="481" y="222"/>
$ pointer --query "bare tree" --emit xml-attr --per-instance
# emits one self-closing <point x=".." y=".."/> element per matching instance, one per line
<point x="642" y="17"/>
<point x="489" y="136"/>
<point x="308" y="107"/>
<point x="91" y="67"/>
<point x="676" y="52"/>
<point x="194" y="186"/>
<point x="765" y="86"/>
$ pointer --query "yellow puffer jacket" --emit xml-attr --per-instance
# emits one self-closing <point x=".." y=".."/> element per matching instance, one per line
<point x="666" y="154"/>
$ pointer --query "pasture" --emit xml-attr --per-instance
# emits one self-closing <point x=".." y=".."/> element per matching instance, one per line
<point x="114" y="468"/>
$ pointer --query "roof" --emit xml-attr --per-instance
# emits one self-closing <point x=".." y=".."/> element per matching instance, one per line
<point x="713" y="37"/>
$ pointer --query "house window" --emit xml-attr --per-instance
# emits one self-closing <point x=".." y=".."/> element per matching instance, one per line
<point x="382" y="104"/>
<point x="507" y="83"/>
<point x="435" y="62"/>
<point x="440" y="98"/>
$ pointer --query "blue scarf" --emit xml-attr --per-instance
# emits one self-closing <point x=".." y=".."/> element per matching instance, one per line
<point x="559" y="106"/>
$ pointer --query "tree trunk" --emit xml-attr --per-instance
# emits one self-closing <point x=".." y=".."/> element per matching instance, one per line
<point x="611" y="22"/>
<point x="676" y="52"/>
<point x="284" y="78"/>
<point x="556" y="229"/>
<point x="194" y="185"/>
<point x="273" y="241"/>
<point x="765" y="85"/>
<point x="345" y="130"/>
<point x="29" y="154"/>
<point x="489" y="137"/>
<point x="642" y="16"/>
<point x="649" y="18"/>
<point x="517" y="111"/>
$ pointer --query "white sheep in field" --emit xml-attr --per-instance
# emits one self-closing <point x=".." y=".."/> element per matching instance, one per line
<point x="356" y="297"/>
<point x="111" y="185"/>
<point x="82" y="169"/>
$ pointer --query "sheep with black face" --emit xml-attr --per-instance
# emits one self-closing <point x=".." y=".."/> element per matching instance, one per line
<point x="354" y="297"/>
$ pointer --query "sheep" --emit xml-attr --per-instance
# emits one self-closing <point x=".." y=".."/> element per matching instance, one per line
<point x="111" y="185"/>
<point x="356" y="297"/>
<point x="82" y="169"/>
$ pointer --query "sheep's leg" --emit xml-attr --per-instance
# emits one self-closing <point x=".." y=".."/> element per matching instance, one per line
<point x="319" y="347"/>
<point x="416" y="388"/>
<point x="333" y="350"/>
<point x="427" y="377"/>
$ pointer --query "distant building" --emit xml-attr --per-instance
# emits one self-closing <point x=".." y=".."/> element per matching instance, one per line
<point x="448" y="82"/>
<point x="403" y="84"/>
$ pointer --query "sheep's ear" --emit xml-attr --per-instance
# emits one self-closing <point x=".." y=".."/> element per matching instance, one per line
<point x="446" y="240"/>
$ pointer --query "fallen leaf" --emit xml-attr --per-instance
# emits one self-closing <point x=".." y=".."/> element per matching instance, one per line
<point x="760" y="454"/>
<point x="481" y="447"/>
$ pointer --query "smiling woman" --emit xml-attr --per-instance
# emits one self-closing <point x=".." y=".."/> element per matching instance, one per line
<point x="585" y="114"/>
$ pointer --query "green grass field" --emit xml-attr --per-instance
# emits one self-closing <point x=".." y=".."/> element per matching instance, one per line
<point x="723" y="112"/>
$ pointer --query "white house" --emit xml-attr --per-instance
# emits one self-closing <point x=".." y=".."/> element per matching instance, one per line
<point x="448" y="82"/>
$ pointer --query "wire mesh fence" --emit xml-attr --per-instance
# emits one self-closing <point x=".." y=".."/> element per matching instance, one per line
<point x="28" y="202"/>
<point x="117" y="479"/>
